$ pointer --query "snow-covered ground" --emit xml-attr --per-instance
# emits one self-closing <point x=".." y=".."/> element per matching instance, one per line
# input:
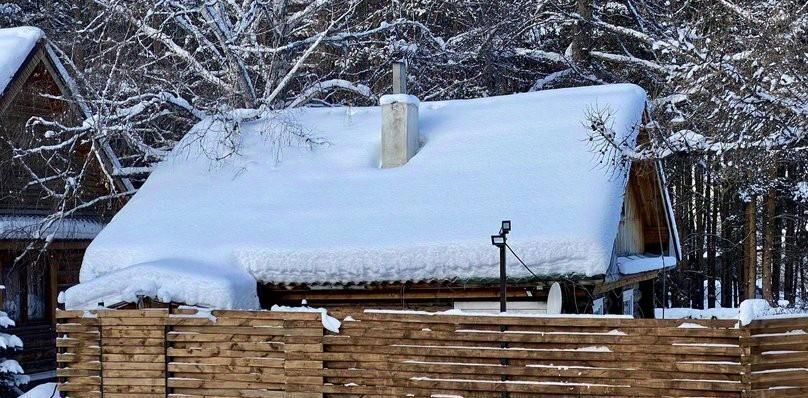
<point x="748" y="311"/>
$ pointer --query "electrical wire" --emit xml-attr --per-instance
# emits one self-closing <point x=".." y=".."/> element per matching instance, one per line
<point x="521" y="262"/>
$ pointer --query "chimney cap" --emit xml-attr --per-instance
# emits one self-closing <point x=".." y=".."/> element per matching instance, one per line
<point x="398" y="98"/>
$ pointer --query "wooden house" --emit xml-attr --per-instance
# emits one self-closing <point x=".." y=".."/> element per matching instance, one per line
<point x="394" y="207"/>
<point x="33" y="83"/>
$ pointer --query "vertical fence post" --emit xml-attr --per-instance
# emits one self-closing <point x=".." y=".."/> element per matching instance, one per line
<point x="101" y="356"/>
<point x="746" y="361"/>
<point x="166" y="330"/>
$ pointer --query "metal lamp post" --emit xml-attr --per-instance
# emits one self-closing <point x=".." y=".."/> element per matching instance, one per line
<point x="500" y="241"/>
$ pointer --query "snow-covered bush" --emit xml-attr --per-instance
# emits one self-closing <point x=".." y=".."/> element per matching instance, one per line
<point x="11" y="373"/>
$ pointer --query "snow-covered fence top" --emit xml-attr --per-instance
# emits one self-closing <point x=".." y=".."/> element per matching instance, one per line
<point x="153" y="354"/>
<point x="285" y="210"/>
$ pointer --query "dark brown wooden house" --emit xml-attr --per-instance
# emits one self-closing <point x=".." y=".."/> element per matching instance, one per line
<point x="356" y="224"/>
<point x="33" y="83"/>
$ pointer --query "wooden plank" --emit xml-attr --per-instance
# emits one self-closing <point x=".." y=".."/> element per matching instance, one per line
<point x="613" y="322"/>
<point x="302" y="316"/>
<point x="249" y="331"/>
<point x="220" y="369"/>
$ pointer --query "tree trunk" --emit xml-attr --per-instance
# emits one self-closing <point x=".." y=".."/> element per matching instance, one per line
<point x="789" y="285"/>
<point x="728" y="280"/>
<point x="712" y="205"/>
<point x="750" y="249"/>
<point x="699" y="217"/>
<point x="768" y="242"/>
<point x="581" y="36"/>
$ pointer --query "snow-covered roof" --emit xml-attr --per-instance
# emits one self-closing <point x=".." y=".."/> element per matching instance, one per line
<point x="168" y="280"/>
<point x="329" y="214"/>
<point x="38" y="227"/>
<point x="15" y="45"/>
<point x="636" y="264"/>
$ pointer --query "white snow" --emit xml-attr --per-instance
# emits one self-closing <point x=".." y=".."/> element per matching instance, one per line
<point x="689" y="325"/>
<point x="639" y="263"/>
<point x="35" y="227"/>
<point x="5" y="321"/>
<point x="692" y="313"/>
<point x="178" y="280"/>
<point x="801" y="191"/>
<point x="290" y="214"/>
<point x="398" y="98"/>
<point x="751" y="309"/>
<point x="748" y="311"/>
<point x="15" y="45"/>
<point x="506" y="314"/>
<point x="46" y="390"/>
<point x="10" y="366"/>
<point x="795" y="332"/>
<point x="9" y="341"/>
<point x="329" y="322"/>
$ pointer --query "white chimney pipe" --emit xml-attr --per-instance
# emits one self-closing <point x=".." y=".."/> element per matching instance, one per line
<point x="400" y="138"/>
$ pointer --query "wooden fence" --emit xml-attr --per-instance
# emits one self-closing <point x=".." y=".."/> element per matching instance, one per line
<point x="151" y="354"/>
<point x="778" y="357"/>
<point x="483" y="356"/>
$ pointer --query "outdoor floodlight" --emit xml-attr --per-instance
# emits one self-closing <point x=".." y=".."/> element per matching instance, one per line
<point x="506" y="227"/>
<point x="498" y="240"/>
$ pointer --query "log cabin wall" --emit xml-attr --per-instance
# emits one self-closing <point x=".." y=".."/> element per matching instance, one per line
<point x="630" y="238"/>
<point x="30" y="300"/>
<point x="424" y="296"/>
<point x="23" y="99"/>
<point x="34" y="279"/>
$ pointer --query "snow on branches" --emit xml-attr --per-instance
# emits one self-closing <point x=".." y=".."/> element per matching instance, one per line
<point x="11" y="373"/>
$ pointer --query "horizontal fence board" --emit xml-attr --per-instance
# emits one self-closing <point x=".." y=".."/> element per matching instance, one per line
<point x="252" y="354"/>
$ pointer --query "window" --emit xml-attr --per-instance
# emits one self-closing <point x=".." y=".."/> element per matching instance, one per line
<point x="597" y="306"/>
<point x="628" y="302"/>
<point x="25" y="298"/>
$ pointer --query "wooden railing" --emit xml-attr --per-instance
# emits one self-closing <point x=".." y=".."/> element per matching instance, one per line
<point x="153" y="354"/>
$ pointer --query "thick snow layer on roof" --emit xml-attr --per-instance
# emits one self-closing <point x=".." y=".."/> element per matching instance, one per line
<point x="168" y="280"/>
<point x="636" y="264"/>
<point x="15" y="45"/>
<point x="329" y="214"/>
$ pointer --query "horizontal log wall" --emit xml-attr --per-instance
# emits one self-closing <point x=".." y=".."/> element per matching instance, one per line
<point x="778" y="357"/>
<point x="151" y="354"/>
<point x="483" y="356"/>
